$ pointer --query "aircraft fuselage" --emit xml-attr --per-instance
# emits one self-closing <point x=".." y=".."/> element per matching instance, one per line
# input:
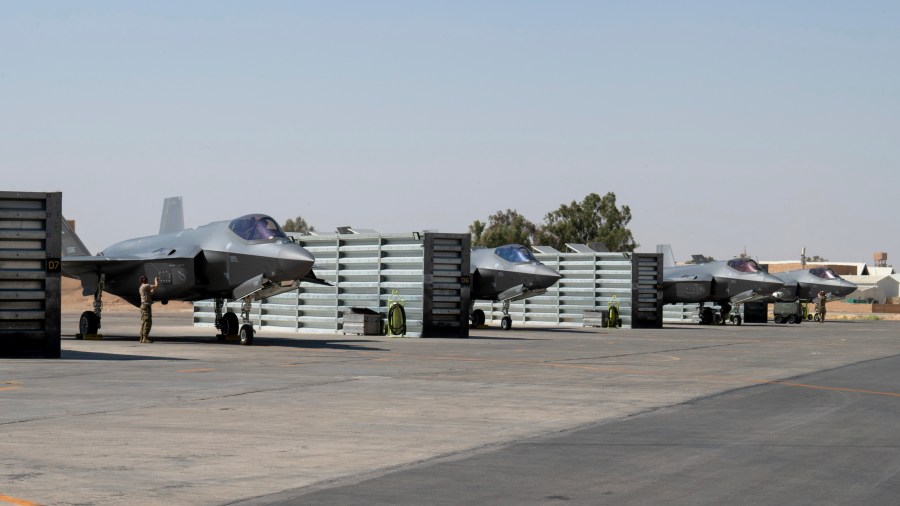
<point x="200" y="263"/>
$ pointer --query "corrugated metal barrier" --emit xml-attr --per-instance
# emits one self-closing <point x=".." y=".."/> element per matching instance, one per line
<point x="430" y="274"/>
<point x="590" y="281"/>
<point x="30" y="246"/>
<point x="367" y="271"/>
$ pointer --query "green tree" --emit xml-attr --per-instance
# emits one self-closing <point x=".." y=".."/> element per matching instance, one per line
<point x="503" y="227"/>
<point x="476" y="229"/>
<point x="298" y="225"/>
<point x="595" y="219"/>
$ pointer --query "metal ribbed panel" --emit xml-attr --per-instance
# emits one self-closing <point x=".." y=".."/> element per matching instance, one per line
<point x="590" y="281"/>
<point x="365" y="270"/>
<point x="647" y="281"/>
<point x="30" y="243"/>
<point x="446" y="294"/>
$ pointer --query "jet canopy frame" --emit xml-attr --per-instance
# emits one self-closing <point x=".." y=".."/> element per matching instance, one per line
<point x="515" y="253"/>
<point x="257" y="227"/>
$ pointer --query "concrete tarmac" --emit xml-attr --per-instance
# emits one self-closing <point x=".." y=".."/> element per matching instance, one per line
<point x="298" y="417"/>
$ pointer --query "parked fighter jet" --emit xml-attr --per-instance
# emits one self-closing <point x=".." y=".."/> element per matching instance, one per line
<point x="723" y="282"/>
<point x="506" y="274"/>
<point x="245" y="259"/>
<point x="805" y="285"/>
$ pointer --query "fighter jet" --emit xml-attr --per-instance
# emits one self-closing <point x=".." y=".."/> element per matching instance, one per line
<point x="506" y="274"/>
<point x="805" y="285"/>
<point x="722" y="282"/>
<point x="246" y="259"/>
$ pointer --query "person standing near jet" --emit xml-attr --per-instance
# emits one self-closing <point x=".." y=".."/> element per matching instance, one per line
<point x="820" y="306"/>
<point x="146" y="291"/>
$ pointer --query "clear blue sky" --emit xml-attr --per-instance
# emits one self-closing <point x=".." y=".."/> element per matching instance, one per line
<point x="770" y="125"/>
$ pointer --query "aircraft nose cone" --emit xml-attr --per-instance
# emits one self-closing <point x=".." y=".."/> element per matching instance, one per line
<point x="545" y="277"/>
<point x="770" y="284"/>
<point x="295" y="261"/>
<point x="845" y="288"/>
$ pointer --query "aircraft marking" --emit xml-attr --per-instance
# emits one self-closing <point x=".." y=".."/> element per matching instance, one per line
<point x="11" y="385"/>
<point x="18" y="502"/>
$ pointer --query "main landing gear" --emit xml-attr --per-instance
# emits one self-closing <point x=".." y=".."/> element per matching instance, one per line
<point x="89" y="323"/>
<point x="477" y="317"/>
<point x="228" y="323"/>
<point x="708" y="316"/>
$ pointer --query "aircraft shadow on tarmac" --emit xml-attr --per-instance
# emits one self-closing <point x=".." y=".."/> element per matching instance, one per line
<point x="112" y="357"/>
<point x="329" y="344"/>
<point x="259" y="341"/>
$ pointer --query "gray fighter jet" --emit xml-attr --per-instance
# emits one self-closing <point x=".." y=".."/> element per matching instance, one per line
<point x="805" y="284"/>
<point x="725" y="283"/>
<point x="506" y="274"/>
<point x="246" y="259"/>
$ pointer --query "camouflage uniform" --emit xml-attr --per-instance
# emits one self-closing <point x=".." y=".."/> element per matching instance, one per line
<point x="820" y="307"/>
<point x="146" y="312"/>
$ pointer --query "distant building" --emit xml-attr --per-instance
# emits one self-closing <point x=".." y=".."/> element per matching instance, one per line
<point x="842" y="269"/>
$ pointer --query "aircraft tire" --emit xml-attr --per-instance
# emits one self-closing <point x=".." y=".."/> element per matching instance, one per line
<point x="506" y="323"/>
<point x="229" y="324"/>
<point x="477" y="318"/>
<point x="88" y="323"/>
<point x="246" y="334"/>
<point x="706" y="316"/>
<point x="737" y="320"/>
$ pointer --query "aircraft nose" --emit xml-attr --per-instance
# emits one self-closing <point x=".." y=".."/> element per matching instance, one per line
<point x="295" y="261"/>
<point x="845" y="288"/>
<point x="545" y="277"/>
<point x="770" y="284"/>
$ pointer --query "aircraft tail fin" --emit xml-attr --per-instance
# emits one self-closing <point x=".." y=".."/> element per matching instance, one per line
<point x="71" y="243"/>
<point x="172" y="216"/>
<point x="668" y="256"/>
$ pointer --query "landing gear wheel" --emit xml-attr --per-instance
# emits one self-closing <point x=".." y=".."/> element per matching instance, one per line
<point x="246" y="335"/>
<point x="779" y="319"/>
<point x="477" y="318"/>
<point x="229" y="324"/>
<point x="88" y="323"/>
<point x="506" y="323"/>
<point x="737" y="320"/>
<point x="717" y="319"/>
<point x="817" y="317"/>
<point x="791" y="319"/>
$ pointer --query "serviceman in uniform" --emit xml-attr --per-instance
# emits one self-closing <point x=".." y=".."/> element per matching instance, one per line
<point x="820" y="306"/>
<point x="146" y="290"/>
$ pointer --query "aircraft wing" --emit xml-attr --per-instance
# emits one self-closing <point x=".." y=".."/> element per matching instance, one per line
<point x="77" y="266"/>
<point x="89" y="268"/>
<point x="688" y="279"/>
<point x="689" y="288"/>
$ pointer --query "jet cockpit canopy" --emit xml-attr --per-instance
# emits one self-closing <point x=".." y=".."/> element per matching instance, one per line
<point x="744" y="265"/>
<point x="823" y="272"/>
<point x="257" y="227"/>
<point x="515" y="253"/>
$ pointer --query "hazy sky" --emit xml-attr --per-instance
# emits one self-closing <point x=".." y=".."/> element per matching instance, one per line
<point x="723" y="125"/>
